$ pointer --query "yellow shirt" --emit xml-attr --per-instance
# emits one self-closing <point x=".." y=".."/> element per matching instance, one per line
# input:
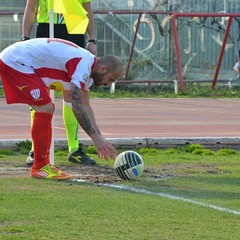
<point x="43" y="14"/>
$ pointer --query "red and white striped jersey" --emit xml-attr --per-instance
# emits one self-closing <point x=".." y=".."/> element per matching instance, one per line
<point x="56" y="61"/>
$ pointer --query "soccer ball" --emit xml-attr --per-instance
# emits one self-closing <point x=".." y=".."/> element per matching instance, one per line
<point x="129" y="165"/>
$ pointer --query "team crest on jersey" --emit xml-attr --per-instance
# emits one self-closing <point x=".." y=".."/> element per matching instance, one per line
<point x="84" y="84"/>
<point x="35" y="93"/>
<point x="88" y="81"/>
<point x="86" y="78"/>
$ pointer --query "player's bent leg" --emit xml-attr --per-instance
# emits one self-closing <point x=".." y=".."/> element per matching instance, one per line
<point x="42" y="136"/>
<point x="41" y="132"/>
<point x="33" y="91"/>
<point x="48" y="108"/>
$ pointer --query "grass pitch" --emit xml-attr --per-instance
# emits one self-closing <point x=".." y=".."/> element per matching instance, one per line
<point x="190" y="193"/>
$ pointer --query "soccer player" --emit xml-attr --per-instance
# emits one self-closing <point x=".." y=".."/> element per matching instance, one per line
<point x="40" y="7"/>
<point x="29" y="68"/>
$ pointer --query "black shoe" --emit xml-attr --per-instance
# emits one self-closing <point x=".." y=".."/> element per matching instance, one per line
<point x="30" y="158"/>
<point x="80" y="157"/>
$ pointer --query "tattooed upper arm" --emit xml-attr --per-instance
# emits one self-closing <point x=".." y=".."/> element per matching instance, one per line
<point x="80" y="112"/>
<point x="76" y="94"/>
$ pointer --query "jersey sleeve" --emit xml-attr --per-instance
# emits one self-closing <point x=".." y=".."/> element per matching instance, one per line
<point x="81" y="77"/>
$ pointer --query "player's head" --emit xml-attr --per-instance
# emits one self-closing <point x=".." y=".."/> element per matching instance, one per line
<point x="107" y="70"/>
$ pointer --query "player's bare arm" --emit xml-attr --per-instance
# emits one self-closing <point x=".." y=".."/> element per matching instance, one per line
<point x="81" y="113"/>
<point x="89" y="109"/>
<point x="85" y="118"/>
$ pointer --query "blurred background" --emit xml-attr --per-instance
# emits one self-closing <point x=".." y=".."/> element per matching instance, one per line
<point x="154" y="55"/>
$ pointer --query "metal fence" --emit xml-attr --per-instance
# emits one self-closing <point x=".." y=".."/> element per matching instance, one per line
<point x="228" y="6"/>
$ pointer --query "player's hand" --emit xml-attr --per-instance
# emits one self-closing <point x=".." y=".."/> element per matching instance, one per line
<point x="105" y="149"/>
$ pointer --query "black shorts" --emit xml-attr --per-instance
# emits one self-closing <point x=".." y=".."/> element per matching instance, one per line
<point x="60" y="31"/>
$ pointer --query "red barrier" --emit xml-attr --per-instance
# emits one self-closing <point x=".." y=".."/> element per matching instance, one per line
<point x="174" y="24"/>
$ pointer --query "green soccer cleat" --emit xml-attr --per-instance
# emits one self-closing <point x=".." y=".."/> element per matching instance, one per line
<point x="50" y="172"/>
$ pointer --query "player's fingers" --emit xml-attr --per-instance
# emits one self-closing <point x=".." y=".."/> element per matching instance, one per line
<point x="107" y="151"/>
<point x="113" y="150"/>
<point x="102" y="153"/>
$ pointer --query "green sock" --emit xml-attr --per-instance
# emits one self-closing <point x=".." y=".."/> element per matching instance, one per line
<point x="71" y="126"/>
<point x="32" y="112"/>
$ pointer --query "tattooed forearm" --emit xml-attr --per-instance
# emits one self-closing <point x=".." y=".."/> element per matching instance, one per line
<point x="80" y="112"/>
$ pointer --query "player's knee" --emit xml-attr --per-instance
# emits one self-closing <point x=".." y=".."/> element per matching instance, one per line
<point x="53" y="107"/>
<point x="48" y="108"/>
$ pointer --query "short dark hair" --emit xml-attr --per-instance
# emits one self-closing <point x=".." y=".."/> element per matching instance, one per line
<point x="113" y="62"/>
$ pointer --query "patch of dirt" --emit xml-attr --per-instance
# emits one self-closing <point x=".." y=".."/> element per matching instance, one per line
<point x="96" y="173"/>
<point x="107" y="174"/>
<point x="11" y="171"/>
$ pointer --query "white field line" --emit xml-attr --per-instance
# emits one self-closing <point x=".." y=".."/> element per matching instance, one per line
<point x="170" y="196"/>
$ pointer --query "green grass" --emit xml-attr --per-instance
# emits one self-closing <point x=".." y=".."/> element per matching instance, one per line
<point x="38" y="209"/>
<point x="41" y="209"/>
<point x="53" y="210"/>
<point x="191" y="90"/>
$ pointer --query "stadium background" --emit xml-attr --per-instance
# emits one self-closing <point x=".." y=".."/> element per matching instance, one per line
<point x="154" y="54"/>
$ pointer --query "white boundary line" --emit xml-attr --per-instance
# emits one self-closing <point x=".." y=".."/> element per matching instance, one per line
<point x="170" y="196"/>
<point x="166" y="195"/>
